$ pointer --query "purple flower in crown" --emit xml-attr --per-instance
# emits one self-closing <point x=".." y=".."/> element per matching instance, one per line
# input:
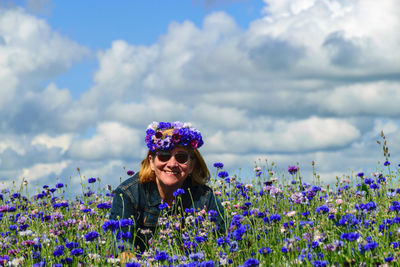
<point x="194" y="143"/>
<point x="158" y="134"/>
<point x="176" y="137"/>
<point x="183" y="134"/>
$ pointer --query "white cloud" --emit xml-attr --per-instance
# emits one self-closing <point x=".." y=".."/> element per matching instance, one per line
<point x="287" y="136"/>
<point x="62" y="141"/>
<point x="12" y="142"/>
<point x="42" y="170"/>
<point x="377" y="98"/>
<point x="112" y="140"/>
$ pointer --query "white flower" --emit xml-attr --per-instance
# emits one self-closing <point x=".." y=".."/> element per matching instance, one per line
<point x="153" y="125"/>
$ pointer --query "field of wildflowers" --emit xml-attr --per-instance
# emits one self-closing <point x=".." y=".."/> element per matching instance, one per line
<point x="275" y="220"/>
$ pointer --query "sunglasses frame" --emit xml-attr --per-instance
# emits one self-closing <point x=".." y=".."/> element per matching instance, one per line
<point x="170" y="155"/>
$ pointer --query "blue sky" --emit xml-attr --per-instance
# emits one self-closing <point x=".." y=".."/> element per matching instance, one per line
<point x="290" y="82"/>
<point x="96" y="24"/>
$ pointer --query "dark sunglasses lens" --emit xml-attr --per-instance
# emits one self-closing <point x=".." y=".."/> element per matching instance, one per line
<point x="163" y="156"/>
<point x="181" y="157"/>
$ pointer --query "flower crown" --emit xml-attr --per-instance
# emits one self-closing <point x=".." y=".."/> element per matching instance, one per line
<point x="183" y="134"/>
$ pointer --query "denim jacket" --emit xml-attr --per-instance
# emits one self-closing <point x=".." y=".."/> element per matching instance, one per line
<point x="140" y="202"/>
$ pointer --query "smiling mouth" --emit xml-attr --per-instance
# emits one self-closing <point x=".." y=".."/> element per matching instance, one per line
<point x="170" y="172"/>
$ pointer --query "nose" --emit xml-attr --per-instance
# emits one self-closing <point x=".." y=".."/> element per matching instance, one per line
<point x="172" y="162"/>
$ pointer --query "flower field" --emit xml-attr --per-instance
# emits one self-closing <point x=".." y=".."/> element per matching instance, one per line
<point x="275" y="220"/>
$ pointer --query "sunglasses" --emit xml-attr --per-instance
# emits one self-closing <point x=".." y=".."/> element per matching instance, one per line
<point x="181" y="157"/>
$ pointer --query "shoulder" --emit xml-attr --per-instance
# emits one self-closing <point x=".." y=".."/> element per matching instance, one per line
<point x="130" y="183"/>
<point x="130" y="187"/>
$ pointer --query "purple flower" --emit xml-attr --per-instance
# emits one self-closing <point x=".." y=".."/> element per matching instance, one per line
<point x="92" y="180"/>
<point x="91" y="236"/>
<point x="132" y="264"/>
<point x="264" y="250"/>
<point x="293" y="169"/>
<point x="320" y="263"/>
<point x="218" y="165"/>
<point x="251" y="262"/>
<point x="196" y="256"/>
<point x="104" y="206"/>
<point x="161" y="256"/>
<point x="223" y="174"/>
<point x="126" y="222"/>
<point x="77" y="251"/>
<point x="179" y="192"/>
<point x="322" y="209"/>
<point x="60" y="185"/>
<point x="389" y="259"/>
<point x="130" y="173"/>
<point x="163" y="206"/>
<point x="350" y="236"/>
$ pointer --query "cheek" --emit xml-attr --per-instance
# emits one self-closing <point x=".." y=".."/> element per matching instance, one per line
<point x="152" y="165"/>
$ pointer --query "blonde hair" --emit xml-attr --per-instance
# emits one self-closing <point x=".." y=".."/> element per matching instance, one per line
<point x="200" y="174"/>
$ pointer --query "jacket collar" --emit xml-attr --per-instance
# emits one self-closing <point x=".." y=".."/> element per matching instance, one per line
<point x="154" y="198"/>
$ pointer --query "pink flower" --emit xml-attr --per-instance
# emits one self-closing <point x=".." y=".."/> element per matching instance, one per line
<point x="194" y="143"/>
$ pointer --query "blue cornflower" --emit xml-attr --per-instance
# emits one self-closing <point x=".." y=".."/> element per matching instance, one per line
<point x="126" y="222"/>
<point x="60" y="185"/>
<point x="264" y="250"/>
<point x="218" y="165"/>
<point x="161" y="256"/>
<point x="374" y="186"/>
<point x="163" y="206"/>
<point x="132" y="264"/>
<point x="370" y="246"/>
<point x="360" y="174"/>
<point x="322" y="209"/>
<point x="223" y="174"/>
<point x="77" y="251"/>
<point x="233" y="246"/>
<point x="178" y="192"/>
<point x="275" y="217"/>
<point x="110" y="225"/>
<point x="222" y="240"/>
<point x="314" y="244"/>
<point x="124" y="235"/>
<point x="104" y="205"/>
<point x="284" y="249"/>
<point x="91" y="236"/>
<point x="350" y="236"/>
<point x="92" y="180"/>
<point x="200" y="239"/>
<point x="389" y="259"/>
<point x="196" y="256"/>
<point x="71" y="245"/>
<point x="209" y="263"/>
<point x="251" y="262"/>
<point x="293" y="169"/>
<point x="59" y="251"/>
<point x="320" y="263"/>
<point x="387" y="163"/>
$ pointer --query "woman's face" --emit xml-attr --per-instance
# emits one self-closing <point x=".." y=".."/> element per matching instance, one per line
<point x="171" y="172"/>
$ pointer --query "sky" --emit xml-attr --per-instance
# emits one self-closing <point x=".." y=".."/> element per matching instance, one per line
<point x="267" y="83"/>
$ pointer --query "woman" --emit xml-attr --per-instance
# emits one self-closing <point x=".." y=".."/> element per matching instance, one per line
<point x="173" y="166"/>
